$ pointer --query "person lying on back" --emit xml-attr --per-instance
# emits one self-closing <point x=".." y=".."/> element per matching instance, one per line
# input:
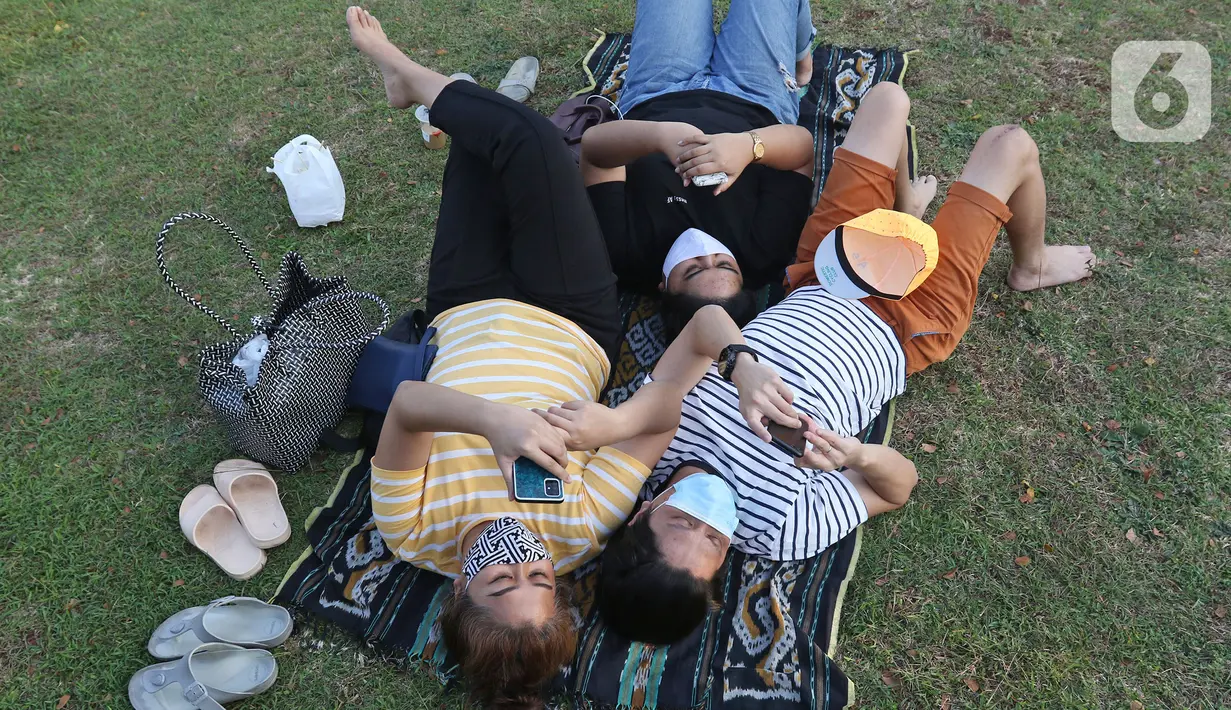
<point x="829" y="363"/>
<point x="697" y="104"/>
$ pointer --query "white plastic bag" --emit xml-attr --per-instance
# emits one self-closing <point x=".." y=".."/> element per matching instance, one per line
<point x="250" y="356"/>
<point x="311" y="180"/>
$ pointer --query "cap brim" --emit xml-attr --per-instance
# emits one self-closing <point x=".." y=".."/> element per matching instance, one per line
<point x="830" y="272"/>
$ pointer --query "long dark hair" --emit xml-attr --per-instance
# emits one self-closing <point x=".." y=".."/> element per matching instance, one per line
<point x="508" y="667"/>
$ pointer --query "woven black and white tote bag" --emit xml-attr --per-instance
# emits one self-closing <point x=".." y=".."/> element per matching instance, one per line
<point x="317" y="329"/>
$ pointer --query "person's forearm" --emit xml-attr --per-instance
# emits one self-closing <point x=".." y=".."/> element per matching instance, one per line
<point x="888" y="472"/>
<point x="710" y="330"/>
<point x="425" y="407"/>
<point x="786" y="147"/>
<point x="618" y="143"/>
<point x="653" y="409"/>
<point x="420" y="409"/>
<point x="699" y="344"/>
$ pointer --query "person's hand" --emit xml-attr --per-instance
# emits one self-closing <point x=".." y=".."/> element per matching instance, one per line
<point x="828" y="451"/>
<point x="672" y="135"/>
<point x="517" y="432"/>
<point x="585" y="425"/>
<point x="703" y="154"/>
<point x="763" y="395"/>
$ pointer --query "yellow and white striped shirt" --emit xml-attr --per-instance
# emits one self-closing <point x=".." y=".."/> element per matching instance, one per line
<point x="513" y="353"/>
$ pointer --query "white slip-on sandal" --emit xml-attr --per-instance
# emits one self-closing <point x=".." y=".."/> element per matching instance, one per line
<point x="210" y="525"/>
<point x="241" y="621"/>
<point x="210" y="675"/>
<point x="519" y="83"/>
<point x="251" y="492"/>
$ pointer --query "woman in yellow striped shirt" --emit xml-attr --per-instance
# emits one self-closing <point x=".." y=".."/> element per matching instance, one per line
<point x="522" y="294"/>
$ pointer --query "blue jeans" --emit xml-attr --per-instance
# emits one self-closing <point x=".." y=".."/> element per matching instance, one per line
<point x="753" y="56"/>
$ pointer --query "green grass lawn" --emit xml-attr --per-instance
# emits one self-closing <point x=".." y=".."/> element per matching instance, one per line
<point x="1110" y="399"/>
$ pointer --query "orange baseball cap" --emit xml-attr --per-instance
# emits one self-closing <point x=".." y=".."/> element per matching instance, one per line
<point x="883" y="253"/>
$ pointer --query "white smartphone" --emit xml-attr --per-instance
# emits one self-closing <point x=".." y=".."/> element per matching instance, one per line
<point x="710" y="180"/>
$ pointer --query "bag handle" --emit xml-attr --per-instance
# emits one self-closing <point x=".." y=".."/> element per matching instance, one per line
<point x="166" y="276"/>
<point x="330" y="299"/>
<point x="306" y="139"/>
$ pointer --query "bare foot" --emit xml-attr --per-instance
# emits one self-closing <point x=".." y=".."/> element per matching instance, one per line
<point x="803" y="71"/>
<point x="369" y="38"/>
<point x="1061" y="265"/>
<point x="922" y="192"/>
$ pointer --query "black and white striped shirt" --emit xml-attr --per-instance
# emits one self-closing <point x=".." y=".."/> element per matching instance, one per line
<point x="843" y="364"/>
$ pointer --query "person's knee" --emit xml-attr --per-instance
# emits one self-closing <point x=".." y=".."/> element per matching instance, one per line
<point x="896" y="488"/>
<point x="1010" y="144"/>
<point x="887" y="96"/>
<point x="907" y="480"/>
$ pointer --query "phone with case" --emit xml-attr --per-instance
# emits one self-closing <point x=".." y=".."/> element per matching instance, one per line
<point x="534" y="484"/>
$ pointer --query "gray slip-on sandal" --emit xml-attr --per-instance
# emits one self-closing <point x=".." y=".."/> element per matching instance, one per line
<point x="209" y="676"/>
<point x="242" y="621"/>
<point x="519" y="83"/>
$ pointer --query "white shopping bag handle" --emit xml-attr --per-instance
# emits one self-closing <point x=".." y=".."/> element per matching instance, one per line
<point x="306" y="139"/>
<point x="300" y="140"/>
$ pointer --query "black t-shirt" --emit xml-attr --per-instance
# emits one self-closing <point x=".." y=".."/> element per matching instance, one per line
<point x="759" y="218"/>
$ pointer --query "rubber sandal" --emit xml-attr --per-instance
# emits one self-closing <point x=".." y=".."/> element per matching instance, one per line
<point x="240" y="621"/>
<point x="210" y="675"/>
<point x="519" y="83"/>
<point x="211" y="526"/>
<point x="251" y="492"/>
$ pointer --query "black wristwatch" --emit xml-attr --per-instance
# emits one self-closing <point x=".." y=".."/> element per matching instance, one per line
<point x="728" y="357"/>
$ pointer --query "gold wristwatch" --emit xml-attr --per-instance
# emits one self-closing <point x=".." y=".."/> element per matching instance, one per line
<point x="758" y="147"/>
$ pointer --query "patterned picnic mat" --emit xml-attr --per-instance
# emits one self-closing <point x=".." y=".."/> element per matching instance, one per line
<point x="771" y="643"/>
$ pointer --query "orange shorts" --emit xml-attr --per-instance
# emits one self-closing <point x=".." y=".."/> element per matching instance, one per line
<point x="931" y="320"/>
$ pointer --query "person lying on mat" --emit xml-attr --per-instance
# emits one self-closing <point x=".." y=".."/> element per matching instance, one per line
<point x="696" y="104"/>
<point x="523" y="298"/>
<point x="831" y="363"/>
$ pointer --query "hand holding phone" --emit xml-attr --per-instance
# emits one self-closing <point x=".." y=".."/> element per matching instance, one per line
<point x="787" y="440"/>
<point x="828" y="451"/>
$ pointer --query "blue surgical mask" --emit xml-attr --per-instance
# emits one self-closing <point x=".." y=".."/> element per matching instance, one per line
<point x="707" y="498"/>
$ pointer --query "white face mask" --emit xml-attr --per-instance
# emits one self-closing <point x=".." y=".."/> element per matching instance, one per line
<point x="707" y="498"/>
<point x="690" y="245"/>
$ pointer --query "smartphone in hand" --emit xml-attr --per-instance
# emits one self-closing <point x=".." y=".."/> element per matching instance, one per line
<point x="534" y="484"/>
<point x="788" y="441"/>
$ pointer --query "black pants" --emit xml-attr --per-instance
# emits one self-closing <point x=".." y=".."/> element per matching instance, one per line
<point x="515" y="221"/>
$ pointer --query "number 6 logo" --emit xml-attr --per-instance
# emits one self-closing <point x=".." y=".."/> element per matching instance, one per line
<point x="1190" y="76"/>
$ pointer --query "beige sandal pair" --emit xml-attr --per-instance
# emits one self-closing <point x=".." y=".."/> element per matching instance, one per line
<point x="235" y="520"/>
